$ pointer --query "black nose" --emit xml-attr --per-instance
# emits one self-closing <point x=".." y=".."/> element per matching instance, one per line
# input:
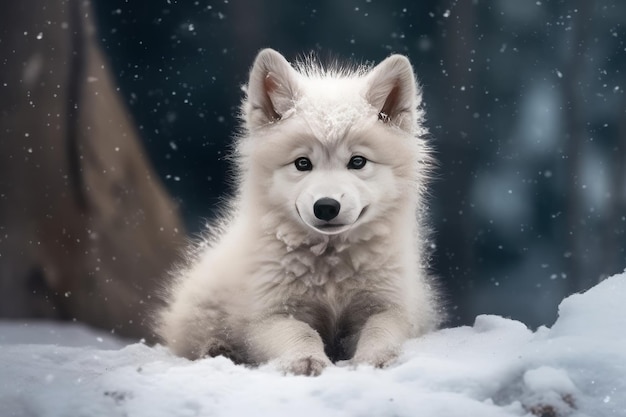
<point x="326" y="208"/>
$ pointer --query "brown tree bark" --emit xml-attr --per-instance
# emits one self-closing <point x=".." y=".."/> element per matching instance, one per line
<point x="87" y="231"/>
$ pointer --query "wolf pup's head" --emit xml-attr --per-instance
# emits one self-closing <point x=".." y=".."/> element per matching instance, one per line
<point x="332" y="149"/>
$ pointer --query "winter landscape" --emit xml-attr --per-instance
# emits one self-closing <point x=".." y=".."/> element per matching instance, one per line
<point x="116" y="121"/>
<point x="497" y="367"/>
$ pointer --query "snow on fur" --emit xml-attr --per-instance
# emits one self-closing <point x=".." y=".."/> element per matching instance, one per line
<point x="497" y="367"/>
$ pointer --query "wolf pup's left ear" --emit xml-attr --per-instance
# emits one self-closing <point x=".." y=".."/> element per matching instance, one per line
<point x="393" y="91"/>
<point x="272" y="89"/>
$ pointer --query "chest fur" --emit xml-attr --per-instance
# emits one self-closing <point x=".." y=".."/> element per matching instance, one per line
<point x="333" y="289"/>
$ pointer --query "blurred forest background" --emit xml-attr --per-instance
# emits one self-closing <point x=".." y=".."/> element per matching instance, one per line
<point x="525" y="103"/>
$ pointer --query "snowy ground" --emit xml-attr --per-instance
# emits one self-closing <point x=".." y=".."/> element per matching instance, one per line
<point x="495" y="368"/>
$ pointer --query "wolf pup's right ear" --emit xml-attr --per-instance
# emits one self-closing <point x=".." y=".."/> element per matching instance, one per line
<point x="272" y="89"/>
<point x="393" y="91"/>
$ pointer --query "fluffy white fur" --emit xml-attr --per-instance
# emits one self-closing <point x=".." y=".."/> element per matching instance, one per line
<point x="277" y="282"/>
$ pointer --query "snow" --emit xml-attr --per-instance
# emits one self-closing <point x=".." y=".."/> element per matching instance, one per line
<point x="497" y="367"/>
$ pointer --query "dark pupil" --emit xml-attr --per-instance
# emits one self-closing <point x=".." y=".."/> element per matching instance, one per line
<point x="303" y="164"/>
<point x="356" y="162"/>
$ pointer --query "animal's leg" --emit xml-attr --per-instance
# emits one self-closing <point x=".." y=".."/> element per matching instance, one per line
<point x="381" y="338"/>
<point x="291" y="343"/>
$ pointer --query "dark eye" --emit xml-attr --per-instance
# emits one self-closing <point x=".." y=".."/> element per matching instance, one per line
<point x="357" y="162"/>
<point x="303" y="164"/>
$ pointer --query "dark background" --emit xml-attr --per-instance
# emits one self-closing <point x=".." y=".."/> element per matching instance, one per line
<point x="525" y="105"/>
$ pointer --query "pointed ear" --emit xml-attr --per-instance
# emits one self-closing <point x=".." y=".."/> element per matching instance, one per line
<point x="392" y="90"/>
<point x="272" y="89"/>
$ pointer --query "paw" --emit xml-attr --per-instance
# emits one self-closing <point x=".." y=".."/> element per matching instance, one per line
<point x="378" y="358"/>
<point x="309" y="366"/>
<point x="216" y="348"/>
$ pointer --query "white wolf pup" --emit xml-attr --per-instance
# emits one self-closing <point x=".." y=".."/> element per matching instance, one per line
<point x="320" y="257"/>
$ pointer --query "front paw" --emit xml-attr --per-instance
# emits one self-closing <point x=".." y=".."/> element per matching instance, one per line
<point x="378" y="358"/>
<point x="309" y="366"/>
<point x="216" y="347"/>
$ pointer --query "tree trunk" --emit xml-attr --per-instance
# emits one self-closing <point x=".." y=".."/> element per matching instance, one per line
<point x="87" y="231"/>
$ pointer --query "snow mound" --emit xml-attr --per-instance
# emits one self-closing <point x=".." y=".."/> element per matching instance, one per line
<point x="497" y="367"/>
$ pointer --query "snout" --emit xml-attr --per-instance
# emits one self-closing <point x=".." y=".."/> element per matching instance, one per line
<point x="330" y="215"/>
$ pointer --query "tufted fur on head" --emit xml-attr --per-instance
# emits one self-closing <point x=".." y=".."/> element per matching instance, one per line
<point x="275" y="87"/>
